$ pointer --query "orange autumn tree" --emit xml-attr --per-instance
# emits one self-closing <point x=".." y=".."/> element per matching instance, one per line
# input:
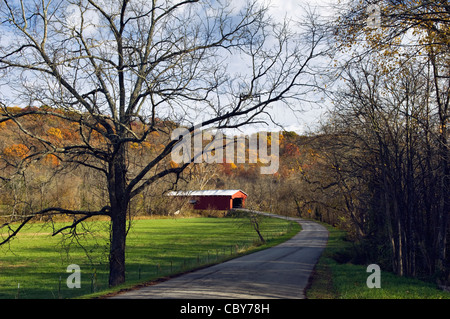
<point x="16" y="151"/>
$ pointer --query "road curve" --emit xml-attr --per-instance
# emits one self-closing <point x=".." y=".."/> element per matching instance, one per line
<point x="278" y="272"/>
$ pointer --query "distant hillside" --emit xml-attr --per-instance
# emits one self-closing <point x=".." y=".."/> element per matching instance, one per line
<point x="28" y="147"/>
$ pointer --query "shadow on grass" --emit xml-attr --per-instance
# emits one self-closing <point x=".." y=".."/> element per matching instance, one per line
<point x="335" y="277"/>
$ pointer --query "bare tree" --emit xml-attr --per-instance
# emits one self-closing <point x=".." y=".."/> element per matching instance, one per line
<point x="104" y="65"/>
<point x="387" y="156"/>
<point x="390" y="153"/>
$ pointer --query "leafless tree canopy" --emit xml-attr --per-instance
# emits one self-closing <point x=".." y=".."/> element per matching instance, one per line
<point x="103" y="66"/>
<point x="386" y="141"/>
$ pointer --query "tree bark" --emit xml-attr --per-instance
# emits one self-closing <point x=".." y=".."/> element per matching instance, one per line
<point x="119" y="201"/>
<point x="117" y="249"/>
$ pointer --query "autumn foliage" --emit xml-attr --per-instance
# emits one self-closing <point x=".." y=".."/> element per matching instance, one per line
<point x="17" y="151"/>
<point x="83" y="189"/>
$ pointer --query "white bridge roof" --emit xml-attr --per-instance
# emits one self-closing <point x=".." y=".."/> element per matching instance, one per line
<point x="212" y="192"/>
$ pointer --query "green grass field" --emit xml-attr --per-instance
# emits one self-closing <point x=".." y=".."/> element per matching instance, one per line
<point x="34" y="264"/>
<point x="334" y="280"/>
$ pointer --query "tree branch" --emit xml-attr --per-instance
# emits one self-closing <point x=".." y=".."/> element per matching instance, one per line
<point x="52" y="211"/>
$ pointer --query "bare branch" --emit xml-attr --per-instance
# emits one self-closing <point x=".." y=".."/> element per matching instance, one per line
<point x="53" y="211"/>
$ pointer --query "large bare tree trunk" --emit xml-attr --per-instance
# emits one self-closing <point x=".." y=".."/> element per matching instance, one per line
<point x="119" y="201"/>
<point x="117" y="247"/>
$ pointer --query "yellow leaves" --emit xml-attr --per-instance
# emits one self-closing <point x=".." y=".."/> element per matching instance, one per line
<point x="14" y="109"/>
<point x="142" y="147"/>
<point x="19" y="151"/>
<point x="51" y="160"/>
<point x="335" y="167"/>
<point x="55" y="132"/>
<point x="135" y="146"/>
<point x="154" y="134"/>
<point x="313" y="153"/>
<point x="416" y="23"/>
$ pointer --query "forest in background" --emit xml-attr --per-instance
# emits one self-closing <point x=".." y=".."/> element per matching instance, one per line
<point x="51" y="180"/>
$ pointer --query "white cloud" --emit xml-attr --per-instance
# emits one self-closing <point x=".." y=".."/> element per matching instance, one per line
<point x="75" y="16"/>
<point x="296" y="9"/>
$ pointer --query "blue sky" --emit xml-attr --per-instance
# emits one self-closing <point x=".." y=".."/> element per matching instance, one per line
<point x="300" y="116"/>
<point x="306" y="116"/>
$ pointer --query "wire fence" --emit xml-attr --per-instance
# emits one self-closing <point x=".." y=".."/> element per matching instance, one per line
<point x="96" y="279"/>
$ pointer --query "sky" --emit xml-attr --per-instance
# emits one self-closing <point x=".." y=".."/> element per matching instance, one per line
<point x="306" y="115"/>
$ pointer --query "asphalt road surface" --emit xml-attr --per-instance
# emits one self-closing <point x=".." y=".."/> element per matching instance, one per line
<point x="278" y="272"/>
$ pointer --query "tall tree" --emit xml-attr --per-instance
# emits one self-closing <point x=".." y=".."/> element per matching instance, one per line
<point x="395" y="110"/>
<point x="102" y="66"/>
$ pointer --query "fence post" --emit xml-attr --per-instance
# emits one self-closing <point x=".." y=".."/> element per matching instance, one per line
<point x="93" y="280"/>
<point x="18" y="290"/>
<point x="59" y="288"/>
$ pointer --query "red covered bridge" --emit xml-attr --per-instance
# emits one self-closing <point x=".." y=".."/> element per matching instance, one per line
<point x="214" y="199"/>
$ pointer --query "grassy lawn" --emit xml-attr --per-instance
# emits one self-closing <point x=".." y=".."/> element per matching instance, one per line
<point x="155" y="248"/>
<point x="334" y="280"/>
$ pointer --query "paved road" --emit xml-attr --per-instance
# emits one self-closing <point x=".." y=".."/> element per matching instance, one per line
<point x="278" y="272"/>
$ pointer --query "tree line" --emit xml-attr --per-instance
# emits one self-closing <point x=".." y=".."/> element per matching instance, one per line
<point x="385" y="144"/>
